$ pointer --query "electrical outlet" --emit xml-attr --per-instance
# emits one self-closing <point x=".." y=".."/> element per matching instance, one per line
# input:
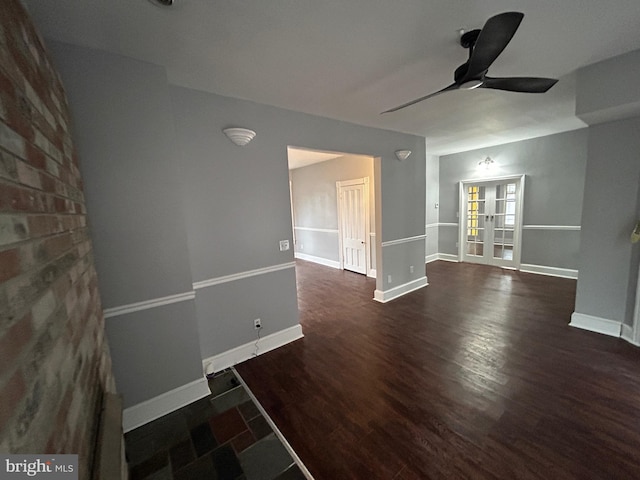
<point x="257" y="323"/>
<point x="284" y="245"/>
<point x="411" y="269"/>
<point x="389" y="279"/>
<point x="301" y="246"/>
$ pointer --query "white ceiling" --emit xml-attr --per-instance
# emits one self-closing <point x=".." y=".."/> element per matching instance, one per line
<point x="303" y="157"/>
<point x="352" y="59"/>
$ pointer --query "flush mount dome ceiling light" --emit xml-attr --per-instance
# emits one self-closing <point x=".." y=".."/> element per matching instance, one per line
<point x="239" y="136"/>
<point x="162" y="3"/>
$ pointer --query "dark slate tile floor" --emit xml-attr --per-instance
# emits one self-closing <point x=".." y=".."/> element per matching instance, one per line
<point x="220" y="437"/>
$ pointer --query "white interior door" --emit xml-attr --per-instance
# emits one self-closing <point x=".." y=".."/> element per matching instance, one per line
<point x="491" y="221"/>
<point x="353" y="224"/>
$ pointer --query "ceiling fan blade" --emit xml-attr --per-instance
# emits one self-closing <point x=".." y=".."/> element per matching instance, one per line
<point x="453" y="86"/>
<point x="494" y="37"/>
<point x="520" y="84"/>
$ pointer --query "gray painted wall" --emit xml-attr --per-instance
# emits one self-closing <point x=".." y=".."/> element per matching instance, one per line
<point x="555" y="248"/>
<point x="554" y="185"/>
<point x="315" y="203"/>
<point x="410" y="254"/>
<point x="621" y="97"/>
<point x="323" y="245"/>
<point x="237" y="210"/>
<point x="634" y="276"/>
<point x="220" y="177"/>
<point x="172" y="201"/>
<point x="610" y="263"/>
<point x="608" y="260"/>
<point x="154" y="351"/>
<point x="226" y="311"/>
<point x="126" y="145"/>
<point x="433" y="197"/>
<point x="236" y="198"/>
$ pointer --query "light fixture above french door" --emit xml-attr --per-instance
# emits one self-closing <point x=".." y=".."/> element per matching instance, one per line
<point x="490" y="218"/>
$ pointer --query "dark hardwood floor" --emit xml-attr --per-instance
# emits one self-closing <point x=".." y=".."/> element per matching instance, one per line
<point x="476" y="376"/>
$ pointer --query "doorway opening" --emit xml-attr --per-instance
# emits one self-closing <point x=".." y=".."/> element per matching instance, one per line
<point x="333" y="209"/>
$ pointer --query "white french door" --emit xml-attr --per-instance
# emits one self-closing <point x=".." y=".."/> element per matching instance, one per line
<point x="353" y="224"/>
<point x="491" y="221"/>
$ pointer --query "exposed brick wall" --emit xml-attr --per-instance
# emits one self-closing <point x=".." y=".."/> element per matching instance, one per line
<point x="54" y="361"/>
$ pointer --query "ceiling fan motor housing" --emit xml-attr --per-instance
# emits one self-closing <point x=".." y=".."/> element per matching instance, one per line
<point x="468" y="39"/>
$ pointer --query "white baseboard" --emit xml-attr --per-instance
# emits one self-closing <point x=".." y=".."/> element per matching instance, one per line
<point x="322" y="261"/>
<point x="431" y="258"/>
<point x="149" y="410"/>
<point x="372" y="273"/>
<point x="395" y="292"/>
<point x="627" y="334"/>
<point x="551" y="271"/>
<point x="595" y="324"/>
<point x="525" y="267"/>
<point x="244" y="352"/>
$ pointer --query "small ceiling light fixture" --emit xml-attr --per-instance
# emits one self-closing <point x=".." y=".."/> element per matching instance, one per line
<point x="162" y="3"/>
<point x="239" y="136"/>
<point x="402" y="154"/>
<point x="486" y="163"/>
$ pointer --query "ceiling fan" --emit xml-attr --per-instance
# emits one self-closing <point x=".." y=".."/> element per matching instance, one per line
<point x="484" y="47"/>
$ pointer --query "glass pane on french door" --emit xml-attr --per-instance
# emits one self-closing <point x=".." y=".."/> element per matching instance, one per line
<point x="504" y="220"/>
<point x="475" y="212"/>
